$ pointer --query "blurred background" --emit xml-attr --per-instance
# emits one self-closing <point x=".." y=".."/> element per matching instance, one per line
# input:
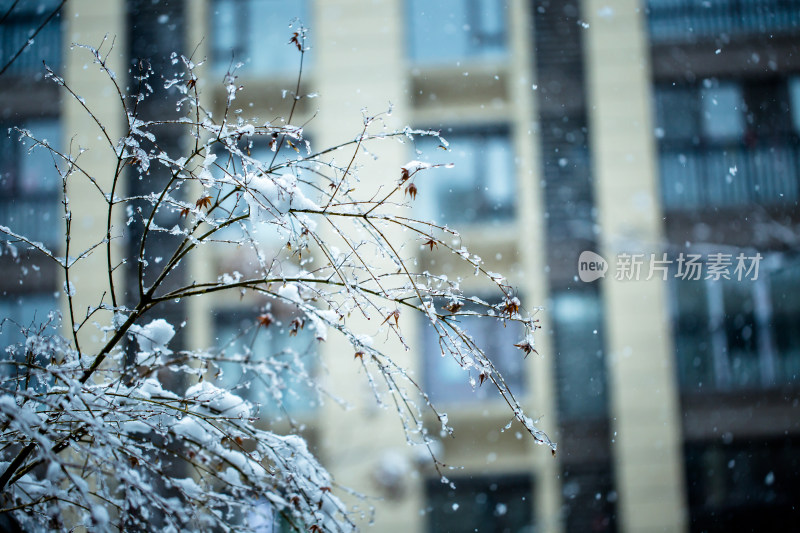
<point x="650" y="129"/>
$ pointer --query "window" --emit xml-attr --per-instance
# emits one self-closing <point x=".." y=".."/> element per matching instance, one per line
<point x="676" y="113"/>
<point x="580" y="360"/>
<point x="739" y="334"/>
<point x="784" y="297"/>
<point x="256" y="33"/>
<point x="501" y="504"/>
<point x="722" y="111"/>
<point x="682" y="20"/>
<point x="794" y="96"/>
<point x="589" y="497"/>
<point x="447" y="381"/>
<point x="29" y="204"/>
<point x="452" y="30"/>
<point x="728" y="143"/>
<point x="20" y="25"/>
<point x="479" y="188"/>
<point x="23" y="311"/>
<point x="235" y="204"/>
<point x="741" y="485"/>
<point x="267" y="365"/>
<point x="30" y="184"/>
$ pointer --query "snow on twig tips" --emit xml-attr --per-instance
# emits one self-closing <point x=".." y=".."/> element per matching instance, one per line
<point x="290" y="247"/>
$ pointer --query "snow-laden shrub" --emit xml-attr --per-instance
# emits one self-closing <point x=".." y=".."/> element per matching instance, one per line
<point x="96" y="436"/>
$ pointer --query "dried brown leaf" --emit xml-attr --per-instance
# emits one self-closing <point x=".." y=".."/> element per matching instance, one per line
<point x="296" y="40"/>
<point x="295" y="325"/>
<point x="396" y="315"/>
<point x="203" y="202"/>
<point x="526" y="347"/>
<point x="266" y="319"/>
<point x="430" y="242"/>
<point x="454" y="307"/>
<point x="511" y="306"/>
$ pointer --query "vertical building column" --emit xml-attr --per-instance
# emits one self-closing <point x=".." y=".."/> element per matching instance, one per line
<point x="644" y="396"/>
<point x="198" y="35"/>
<point x="88" y="22"/>
<point x="361" y="66"/>
<point x="154" y="33"/>
<point x="532" y="246"/>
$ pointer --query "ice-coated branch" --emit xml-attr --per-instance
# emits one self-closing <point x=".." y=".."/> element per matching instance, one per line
<point x="112" y="433"/>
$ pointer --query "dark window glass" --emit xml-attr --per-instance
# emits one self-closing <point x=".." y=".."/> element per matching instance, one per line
<point x="740" y="330"/>
<point x="256" y="33"/>
<point x="580" y="360"/>
<point x="743" y="485"/>
<point x="19" y="27"/>
<point x="480" y="186"/>
<point x="732" y="334"/>
<point x="727" y="143"/>
<point x="785" y="320"/>
<point x="683" y="20"/>
<point x="676" y="113"/>
<point x="693" y="334"/>
<point x="447" y="31"/>
<point x="447" y="381"/>
<point x="29" y="182"/>
<point x="589" y="498"/>
<point x="268" y="365"/>
<point x="25" y="311"/>
<point x="500" y="504"/>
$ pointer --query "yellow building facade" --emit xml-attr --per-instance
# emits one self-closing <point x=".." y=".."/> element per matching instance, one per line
<point x="559" y="149"/>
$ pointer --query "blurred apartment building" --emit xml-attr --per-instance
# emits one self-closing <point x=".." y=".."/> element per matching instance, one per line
<point x="662" y="128"/>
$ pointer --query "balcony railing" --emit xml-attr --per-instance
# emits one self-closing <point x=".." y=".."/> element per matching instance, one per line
<point x="697" y="177"/>
<point x="682" y="20"/>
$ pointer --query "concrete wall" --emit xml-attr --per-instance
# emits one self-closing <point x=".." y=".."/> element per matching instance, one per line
<point x="644" y="401"/>
<point x="89" y="23"/>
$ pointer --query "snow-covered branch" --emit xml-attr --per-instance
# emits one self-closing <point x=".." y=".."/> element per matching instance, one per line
<point x="112" y="435"/>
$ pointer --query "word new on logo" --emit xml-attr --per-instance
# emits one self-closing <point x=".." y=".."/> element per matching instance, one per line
<point x="591" y="266"/>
